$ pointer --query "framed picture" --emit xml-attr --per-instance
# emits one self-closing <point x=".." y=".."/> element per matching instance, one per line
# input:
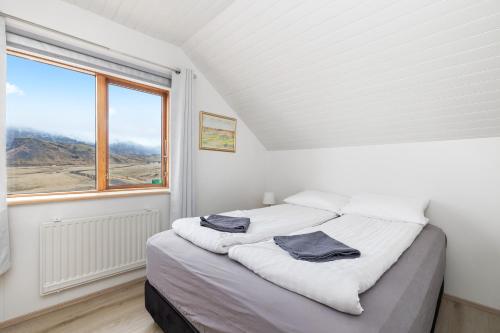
<point x="217" y="132"/>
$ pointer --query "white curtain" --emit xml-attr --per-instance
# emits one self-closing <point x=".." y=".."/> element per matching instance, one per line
<point x="4" y="223"/>
<point x="183" y="135"/>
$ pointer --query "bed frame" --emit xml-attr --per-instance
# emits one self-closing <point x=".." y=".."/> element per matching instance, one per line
<point x="172" y="321"/>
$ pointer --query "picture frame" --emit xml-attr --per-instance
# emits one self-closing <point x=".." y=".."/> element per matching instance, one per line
<point x="217" y="132"/>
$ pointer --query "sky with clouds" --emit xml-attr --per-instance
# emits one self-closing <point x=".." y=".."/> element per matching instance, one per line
<point x="61" y="101"/>
<point x="12" y="89"/>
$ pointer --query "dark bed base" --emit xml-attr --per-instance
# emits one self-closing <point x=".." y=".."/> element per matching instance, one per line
<point x="172" y="321"/>
<point x="438" y="305"/>
<point x="165" y="314"/>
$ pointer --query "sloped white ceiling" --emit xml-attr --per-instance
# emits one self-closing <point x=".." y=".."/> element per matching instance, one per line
<point x="173" y="21"/>
<point x="323" y="73"/>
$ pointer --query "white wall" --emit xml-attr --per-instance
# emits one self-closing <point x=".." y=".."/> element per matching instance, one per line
<point x="229" y="180"/>
<point x="462" y="178"/>
<point x="226" y="181"/>
<point x="21" y="283"/>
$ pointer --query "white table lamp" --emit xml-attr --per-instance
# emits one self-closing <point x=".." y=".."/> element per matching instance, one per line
<point x="268" y="199"/>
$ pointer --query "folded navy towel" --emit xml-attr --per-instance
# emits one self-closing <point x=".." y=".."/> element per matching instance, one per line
<point x="316" y="246"/>
<point x="225" y="223"/>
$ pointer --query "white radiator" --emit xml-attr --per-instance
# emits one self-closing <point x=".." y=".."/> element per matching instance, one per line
<point x="78" y="251"/>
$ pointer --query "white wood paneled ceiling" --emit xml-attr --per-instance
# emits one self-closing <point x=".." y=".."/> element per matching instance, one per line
<point x="323" y="73"/>
<point x="171" y="20"/>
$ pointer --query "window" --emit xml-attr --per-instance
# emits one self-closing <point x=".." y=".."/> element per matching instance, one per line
<point x="74" y="130"/>
<point x="135" y="131"/>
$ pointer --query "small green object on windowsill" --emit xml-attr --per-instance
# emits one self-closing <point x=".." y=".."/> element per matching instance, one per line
<point x="156" y="181"/>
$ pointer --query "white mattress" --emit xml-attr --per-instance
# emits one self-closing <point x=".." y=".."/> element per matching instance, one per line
<point x="264" y="224"/>
<point x="335" y="283"/>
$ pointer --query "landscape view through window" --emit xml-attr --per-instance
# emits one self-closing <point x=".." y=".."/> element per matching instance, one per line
<point x="135" y="125"/>
<point x="51" y="131"/>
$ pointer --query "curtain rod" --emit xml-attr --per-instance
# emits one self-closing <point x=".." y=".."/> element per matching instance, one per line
<point x="173" y="69"/>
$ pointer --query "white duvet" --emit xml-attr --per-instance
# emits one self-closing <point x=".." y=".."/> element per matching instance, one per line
<point x="335" y="283"/>
<point x="264" y="224"/>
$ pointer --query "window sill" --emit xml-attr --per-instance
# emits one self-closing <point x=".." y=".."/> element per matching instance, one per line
<point x="47" y="198"/>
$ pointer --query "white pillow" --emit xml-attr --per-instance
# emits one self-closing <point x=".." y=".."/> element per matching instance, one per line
<point x="321" y="200"/>
<point x="388" y="207"/>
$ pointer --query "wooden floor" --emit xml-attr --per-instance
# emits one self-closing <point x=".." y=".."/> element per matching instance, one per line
<point x="123" y="311"/>
<point x="455" y="317"/>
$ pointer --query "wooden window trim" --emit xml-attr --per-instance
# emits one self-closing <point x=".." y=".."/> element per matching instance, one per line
<point x="101" y="132"/>
<point x="164" y="94"/>
<point x="102" y="140"/>
<point x="32" y="199"/>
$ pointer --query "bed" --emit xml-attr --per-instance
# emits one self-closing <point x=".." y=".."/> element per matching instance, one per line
<point x="189" y="289"/>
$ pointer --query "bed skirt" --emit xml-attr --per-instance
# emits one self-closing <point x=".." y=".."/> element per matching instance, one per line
<point x="171" y="320"/>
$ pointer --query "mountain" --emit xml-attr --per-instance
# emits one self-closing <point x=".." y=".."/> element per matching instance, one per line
<point x="17" y="132"/>
<point x="38" y="152"/>
<point x="130" y="148"/>
<point x="27" y="147"/>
